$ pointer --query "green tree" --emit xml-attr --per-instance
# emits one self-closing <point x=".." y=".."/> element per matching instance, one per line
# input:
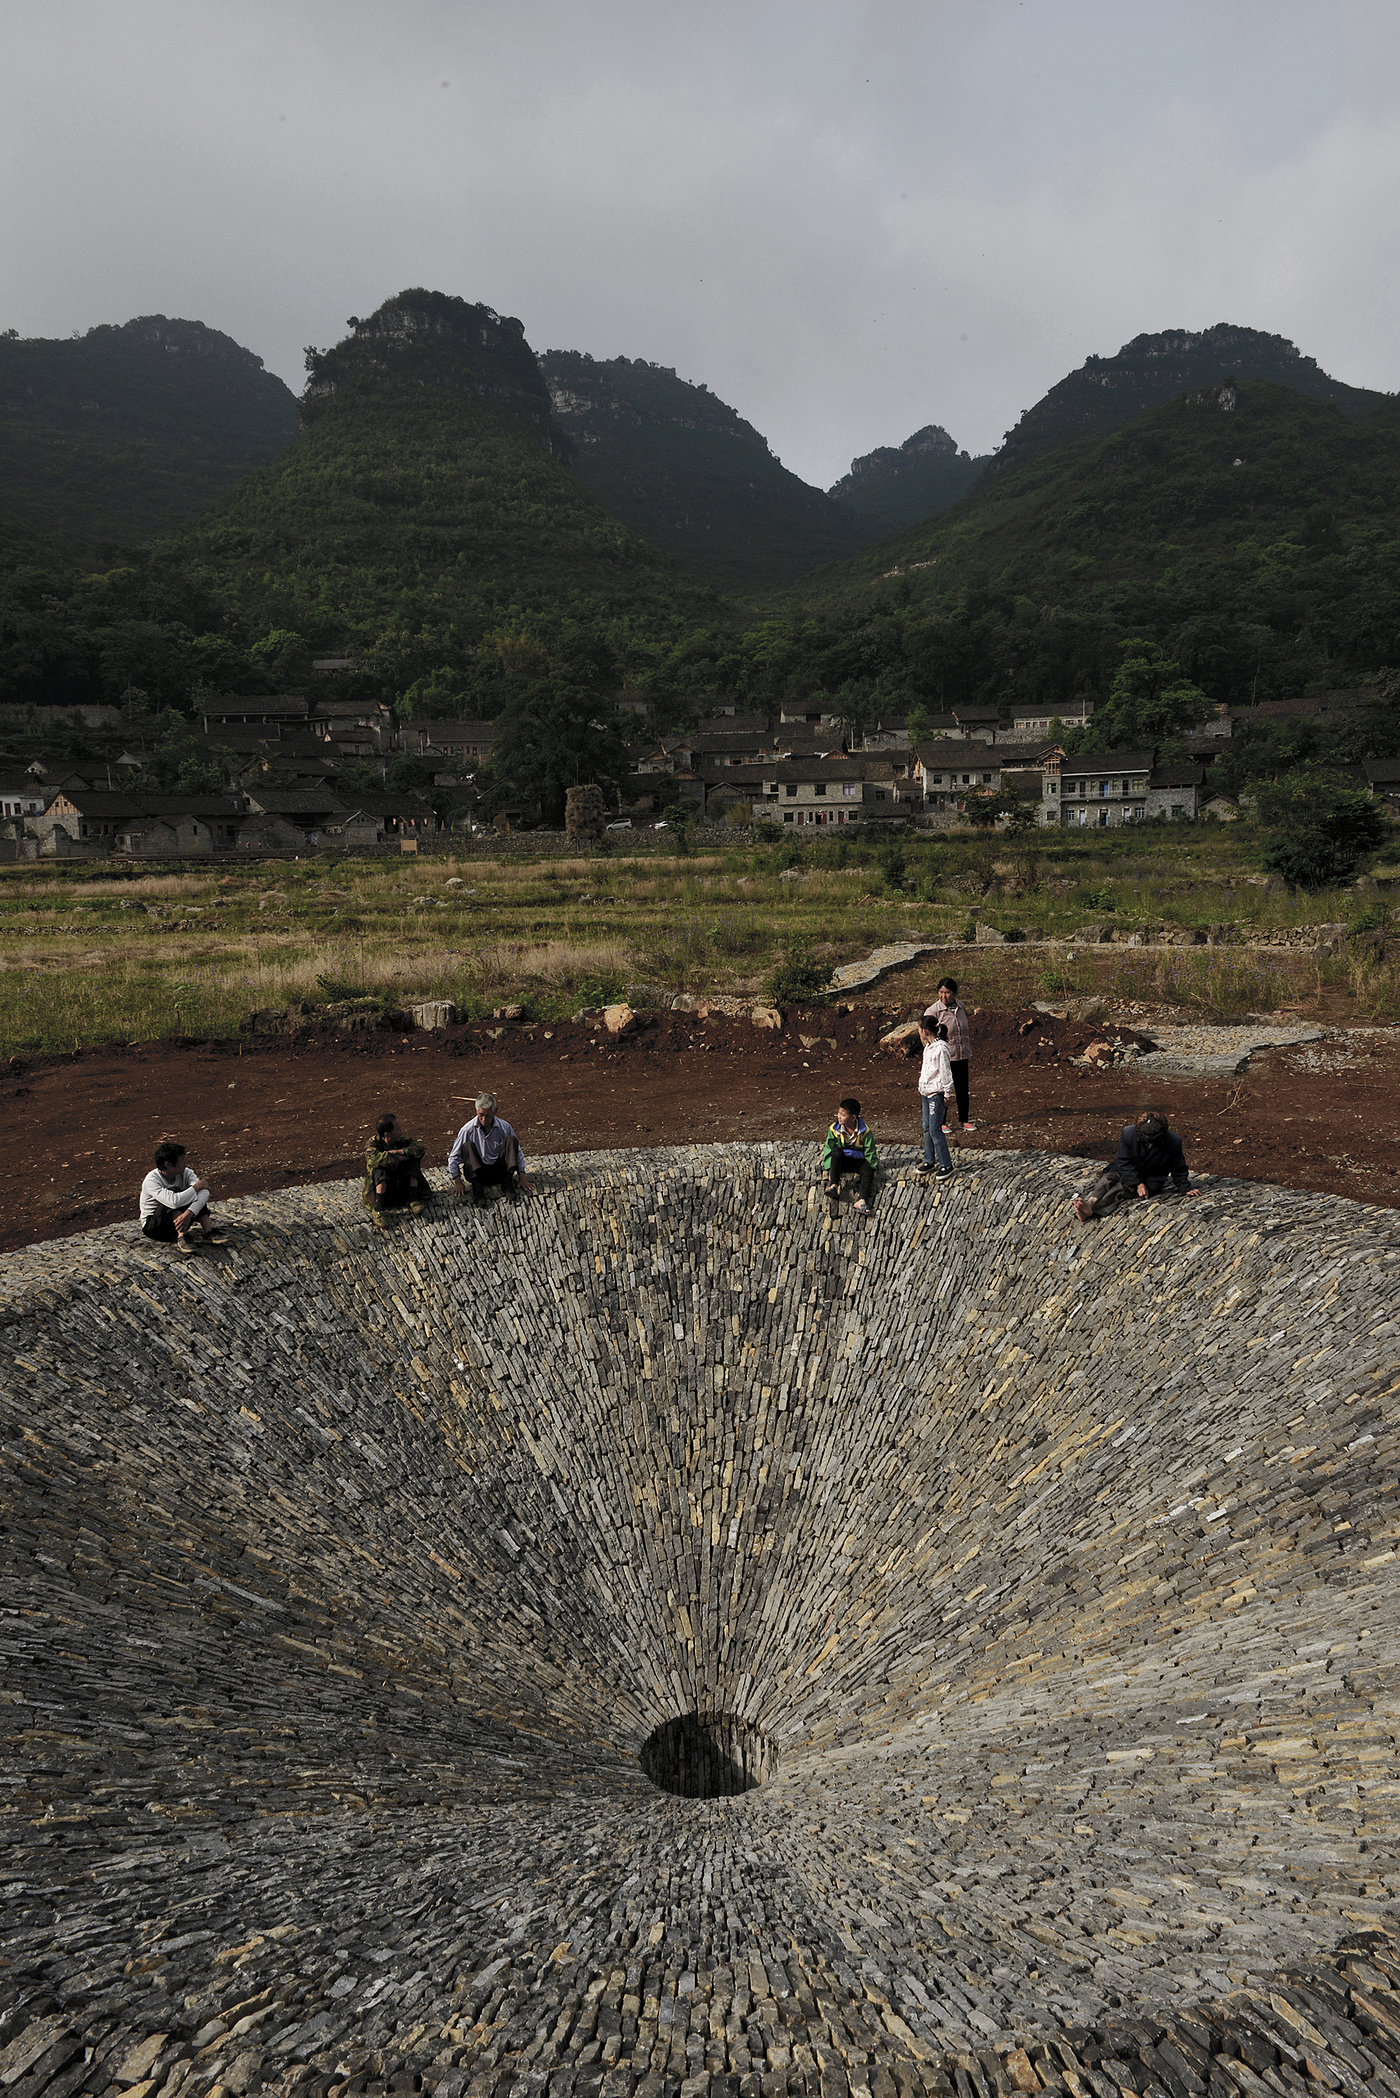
<point x="1150" y="702"/>
<point x="1321" y="825"/>
<point x="556" y="733"/>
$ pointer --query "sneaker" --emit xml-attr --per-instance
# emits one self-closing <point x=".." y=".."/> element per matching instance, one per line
<point x="415" y="1209"/>
<point x="924" y="1172"/>
<point x="943" y="1172"/>
<point x="376" y="1217"/>
<point x="188" y="1240"/>
<point x="969" y="1128"/>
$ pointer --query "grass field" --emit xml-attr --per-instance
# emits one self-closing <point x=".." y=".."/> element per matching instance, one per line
<point x="95" y="953"/>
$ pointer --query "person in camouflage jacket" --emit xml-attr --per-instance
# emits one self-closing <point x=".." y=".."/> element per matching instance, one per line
<point x="393" y="1171"/>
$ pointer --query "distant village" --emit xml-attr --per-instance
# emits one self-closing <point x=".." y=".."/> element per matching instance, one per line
<point x="290" y="758"/>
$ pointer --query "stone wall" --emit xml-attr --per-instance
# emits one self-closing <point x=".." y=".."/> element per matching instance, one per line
<point x="1046" y="1579"/>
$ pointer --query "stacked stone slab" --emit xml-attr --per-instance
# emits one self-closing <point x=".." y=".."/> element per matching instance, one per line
<point x="1046" y="1577"/>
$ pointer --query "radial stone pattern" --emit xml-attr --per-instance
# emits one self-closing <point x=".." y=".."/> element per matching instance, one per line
<point x="653" y="1639"/>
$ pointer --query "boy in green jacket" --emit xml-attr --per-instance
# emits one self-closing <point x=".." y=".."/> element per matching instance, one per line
<point x="850" y="1148"/>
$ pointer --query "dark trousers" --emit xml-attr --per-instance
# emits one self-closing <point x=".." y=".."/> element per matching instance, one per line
<point x="960" y="1087"/>
<point x="841" y="1164"/>
<point x="502" y="1172"/>
<point x="1108" y="1191"/>
<point x="396" y="1185"/>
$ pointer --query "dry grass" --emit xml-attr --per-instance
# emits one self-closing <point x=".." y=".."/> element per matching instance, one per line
<point x="560" y="933"/>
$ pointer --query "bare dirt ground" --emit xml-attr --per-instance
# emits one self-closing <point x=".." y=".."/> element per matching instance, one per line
<point x="266" y="1113"/>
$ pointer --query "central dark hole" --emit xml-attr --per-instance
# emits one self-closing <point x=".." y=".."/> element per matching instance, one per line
<point x="708" y="1755"/>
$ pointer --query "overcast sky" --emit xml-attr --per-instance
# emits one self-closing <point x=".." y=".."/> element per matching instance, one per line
<point x="849" y="220"/>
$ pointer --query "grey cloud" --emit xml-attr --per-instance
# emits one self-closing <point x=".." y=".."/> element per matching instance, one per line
<point x="848" y="220"/>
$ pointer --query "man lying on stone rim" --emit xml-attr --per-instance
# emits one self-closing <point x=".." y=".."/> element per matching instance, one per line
<point x="1149" y="1154"/>
<point x="487" y="1153"/>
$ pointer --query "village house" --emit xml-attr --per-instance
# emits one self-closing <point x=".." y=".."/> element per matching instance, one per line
<point x="891" y="732"/>
<point x="304" y="811"/>
<point x="825" y="792"/>
<point x="469" y="741"/>
<point x="1078" y="714"/>
<point x="1095" y="789"/>
<point x="383" y="819"/>
<point x="356" y="727"/>
<point x="275" y="714"/>
<point x="714" y="756"/>
<point x="1176" y="792"/>
<point x="1382" y="776"/>
<point x="946" y="773"/>
<point x="21" y="797"/>
<point x="98" y="821"/>
<point x="794" y="713"/>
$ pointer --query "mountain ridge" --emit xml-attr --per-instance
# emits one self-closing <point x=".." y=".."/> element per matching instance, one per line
<point x="1105" y="394"/>
<point x="133" y="428"/>
<point x="690" y="475"/>
<point x="899" y="485"/>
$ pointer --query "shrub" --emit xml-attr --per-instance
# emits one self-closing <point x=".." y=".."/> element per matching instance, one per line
<point x="1322" y="827"/>
<point x="798" y="977"/>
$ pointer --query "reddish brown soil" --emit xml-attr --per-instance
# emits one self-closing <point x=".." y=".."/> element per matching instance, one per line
<point x="269" y="1113"/>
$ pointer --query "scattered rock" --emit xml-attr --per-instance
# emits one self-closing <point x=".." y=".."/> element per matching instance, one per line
<point x="619" y="1019"/>
<point x="433" y="1012"/>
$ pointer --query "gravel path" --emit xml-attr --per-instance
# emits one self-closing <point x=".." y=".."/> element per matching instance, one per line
<point x="1210" y="1050"/>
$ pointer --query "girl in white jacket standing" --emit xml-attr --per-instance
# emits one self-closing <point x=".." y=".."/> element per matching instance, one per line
<point x="935" y="1091"/>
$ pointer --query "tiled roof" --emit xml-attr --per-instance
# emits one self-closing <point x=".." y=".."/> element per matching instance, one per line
<point x="1107" y="761"/>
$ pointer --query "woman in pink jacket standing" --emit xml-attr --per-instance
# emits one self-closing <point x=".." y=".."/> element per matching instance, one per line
<point x="950" y="1021"/>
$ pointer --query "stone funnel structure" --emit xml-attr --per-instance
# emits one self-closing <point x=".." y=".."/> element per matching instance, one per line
<point x="651" y="1639"/>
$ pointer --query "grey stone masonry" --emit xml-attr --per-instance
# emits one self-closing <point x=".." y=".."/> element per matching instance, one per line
<point x="1038" y="1583"/>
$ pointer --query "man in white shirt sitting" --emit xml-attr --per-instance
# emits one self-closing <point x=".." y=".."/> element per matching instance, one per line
<point x="486" y="1154"/>
<point x="935" y="1091"/>
<point x="175" y="1203"/>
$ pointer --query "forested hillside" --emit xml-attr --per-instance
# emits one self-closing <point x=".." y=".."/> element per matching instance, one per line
<point x="423" y="523"/>
<point x="1241" y="540"/>
<point x="901" y="485"/>
<point x="127" y="432"/>
<point x="1109" y="393"/>
<point x="1252" y="534"/>
<point x="691" y="476"/>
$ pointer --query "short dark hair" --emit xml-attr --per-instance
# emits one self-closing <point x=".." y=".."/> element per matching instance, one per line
<point x="385" y="1124"/>
<point x="852" y="1107"/>
<point x="169" y="1155"/>
<point x="1152" y="1126"/>
<point x="947" y="983"/>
